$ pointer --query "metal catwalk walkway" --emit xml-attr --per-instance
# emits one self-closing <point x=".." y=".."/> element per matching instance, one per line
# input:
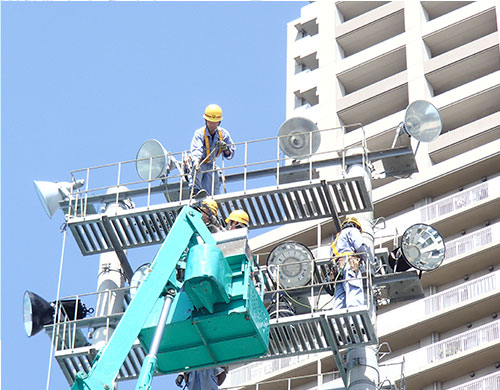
<point x="331" y="331"/>
<point x="270" y="206"/>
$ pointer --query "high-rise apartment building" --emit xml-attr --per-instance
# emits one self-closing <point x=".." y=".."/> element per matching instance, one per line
<point x="364" y="62"/>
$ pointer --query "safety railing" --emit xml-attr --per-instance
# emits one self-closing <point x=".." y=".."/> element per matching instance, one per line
<point x="316" y="280"/>
<point x="70" y="319"/>
<point x="256" y="163"/>
<point x="316" y="299"/>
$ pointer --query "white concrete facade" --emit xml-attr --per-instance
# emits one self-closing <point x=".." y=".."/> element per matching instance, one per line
<point x="365" y="61"/>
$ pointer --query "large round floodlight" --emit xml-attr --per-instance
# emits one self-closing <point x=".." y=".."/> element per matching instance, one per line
<point x="422" y="121"/>
<point x="138" y="277"/>
<point x="293" y="261"/>
<point x="153" y="157"/>
<point x="37" y="312"/>
<point x="422" y="247"/>
<point x="299" y="137"/>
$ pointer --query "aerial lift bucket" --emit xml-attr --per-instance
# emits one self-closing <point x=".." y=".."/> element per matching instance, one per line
<point x="217" y="317"/>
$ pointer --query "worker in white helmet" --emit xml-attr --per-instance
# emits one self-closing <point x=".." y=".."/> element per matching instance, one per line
<point x="208" y="143"/>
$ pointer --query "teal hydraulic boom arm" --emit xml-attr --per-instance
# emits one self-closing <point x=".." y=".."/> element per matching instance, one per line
<point x="161" y="281"/>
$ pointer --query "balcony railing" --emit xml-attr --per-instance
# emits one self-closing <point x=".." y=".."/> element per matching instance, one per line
<point x="487" y="382"/>
<point x="472" y="241"/>
<point x="432" y="306"/>
<point x="452" y="346"/>
<point x="455" y="202"/>
<point x="461" y="294"/>
<point x="252" y="371"/>
<point x="466" y="341"/>
<point x="443" y="207"/>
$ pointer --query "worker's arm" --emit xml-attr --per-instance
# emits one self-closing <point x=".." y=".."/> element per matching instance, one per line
<point x="357" y="242"/>
<point x="197" y="146"/>
<point x="226" y="137"/>
<point x="221" y="377"/>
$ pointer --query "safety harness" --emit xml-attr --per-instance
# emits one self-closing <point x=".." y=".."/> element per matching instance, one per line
<point x="335" y="250"/>
<point x="207" y="146"/>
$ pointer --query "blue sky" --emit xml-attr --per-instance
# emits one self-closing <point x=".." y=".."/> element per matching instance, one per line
<point x="85" y="84"/>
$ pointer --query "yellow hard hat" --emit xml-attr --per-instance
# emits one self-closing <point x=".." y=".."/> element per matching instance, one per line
<point x="211" y="205"/>
<point x="239" y="216"/>
<point x="352" y="220"/>
<point x="213" y="113"/>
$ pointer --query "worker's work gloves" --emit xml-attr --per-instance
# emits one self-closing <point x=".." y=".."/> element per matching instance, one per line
<point x="222" y="145"/>
<point x="196" y="165"/>
<point x="179" y="379"/>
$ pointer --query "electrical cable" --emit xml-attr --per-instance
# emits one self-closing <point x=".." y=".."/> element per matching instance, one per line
<point x="52" y="344"/>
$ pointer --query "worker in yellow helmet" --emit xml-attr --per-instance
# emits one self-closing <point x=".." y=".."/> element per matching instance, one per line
<point x="208" y="143"/>
<point x="209" y="209"/>
<point x="349" y="253"/>
<point x="237" y="219"/>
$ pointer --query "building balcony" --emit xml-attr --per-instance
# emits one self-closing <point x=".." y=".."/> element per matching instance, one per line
<point x="461" y="169"/>
<point x="490" y="381"/>
<point x="469" y="102"/>
<point x="465" y="138"/>
<point x="270" y="369"/>
<point x="307" y="46"/>
<point x="465" y="255"/>
<point x="460" y="27"/>
<point x="370" y="28"/>
<point x="435" y="9"/>
<point x="463" y="64"/>
<point x="441" y="361"/>
<point x="441" y="312"/>
<point x="374" y="70"/>
<point x="352" y="9"/>
<point x="452" y="213"/>
<point x="305" y="81"/>
<point x="375" y="101"/>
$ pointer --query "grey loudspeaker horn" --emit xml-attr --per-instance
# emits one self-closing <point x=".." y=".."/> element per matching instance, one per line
<point x="50" y="194"/>
<point x="299" y="137"/>
<point x="422" y="121"/>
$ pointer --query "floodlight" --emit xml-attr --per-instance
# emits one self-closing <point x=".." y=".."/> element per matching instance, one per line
<point x="294" y="261"/>
<point x="37" y="312"/>
<point x="138" y="277"/>
<point x="152" y="156"/>
<point x="299" y="137"/>
<point x="50" y="194"/>
<point x="422" y="247"/>
<point x="422" y="121"/>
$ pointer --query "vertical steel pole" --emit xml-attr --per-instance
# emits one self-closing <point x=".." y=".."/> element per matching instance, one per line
<point x="362" y="362"/>
<point x="110" y="283"/>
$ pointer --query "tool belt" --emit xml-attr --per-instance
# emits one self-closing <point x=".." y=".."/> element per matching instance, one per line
<point x="339" y="265"/>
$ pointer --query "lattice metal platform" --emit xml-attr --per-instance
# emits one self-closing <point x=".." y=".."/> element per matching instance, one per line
<point x="332" y="331"/>
<point x="80" y="359"/>
<point x="270" y="206"/>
